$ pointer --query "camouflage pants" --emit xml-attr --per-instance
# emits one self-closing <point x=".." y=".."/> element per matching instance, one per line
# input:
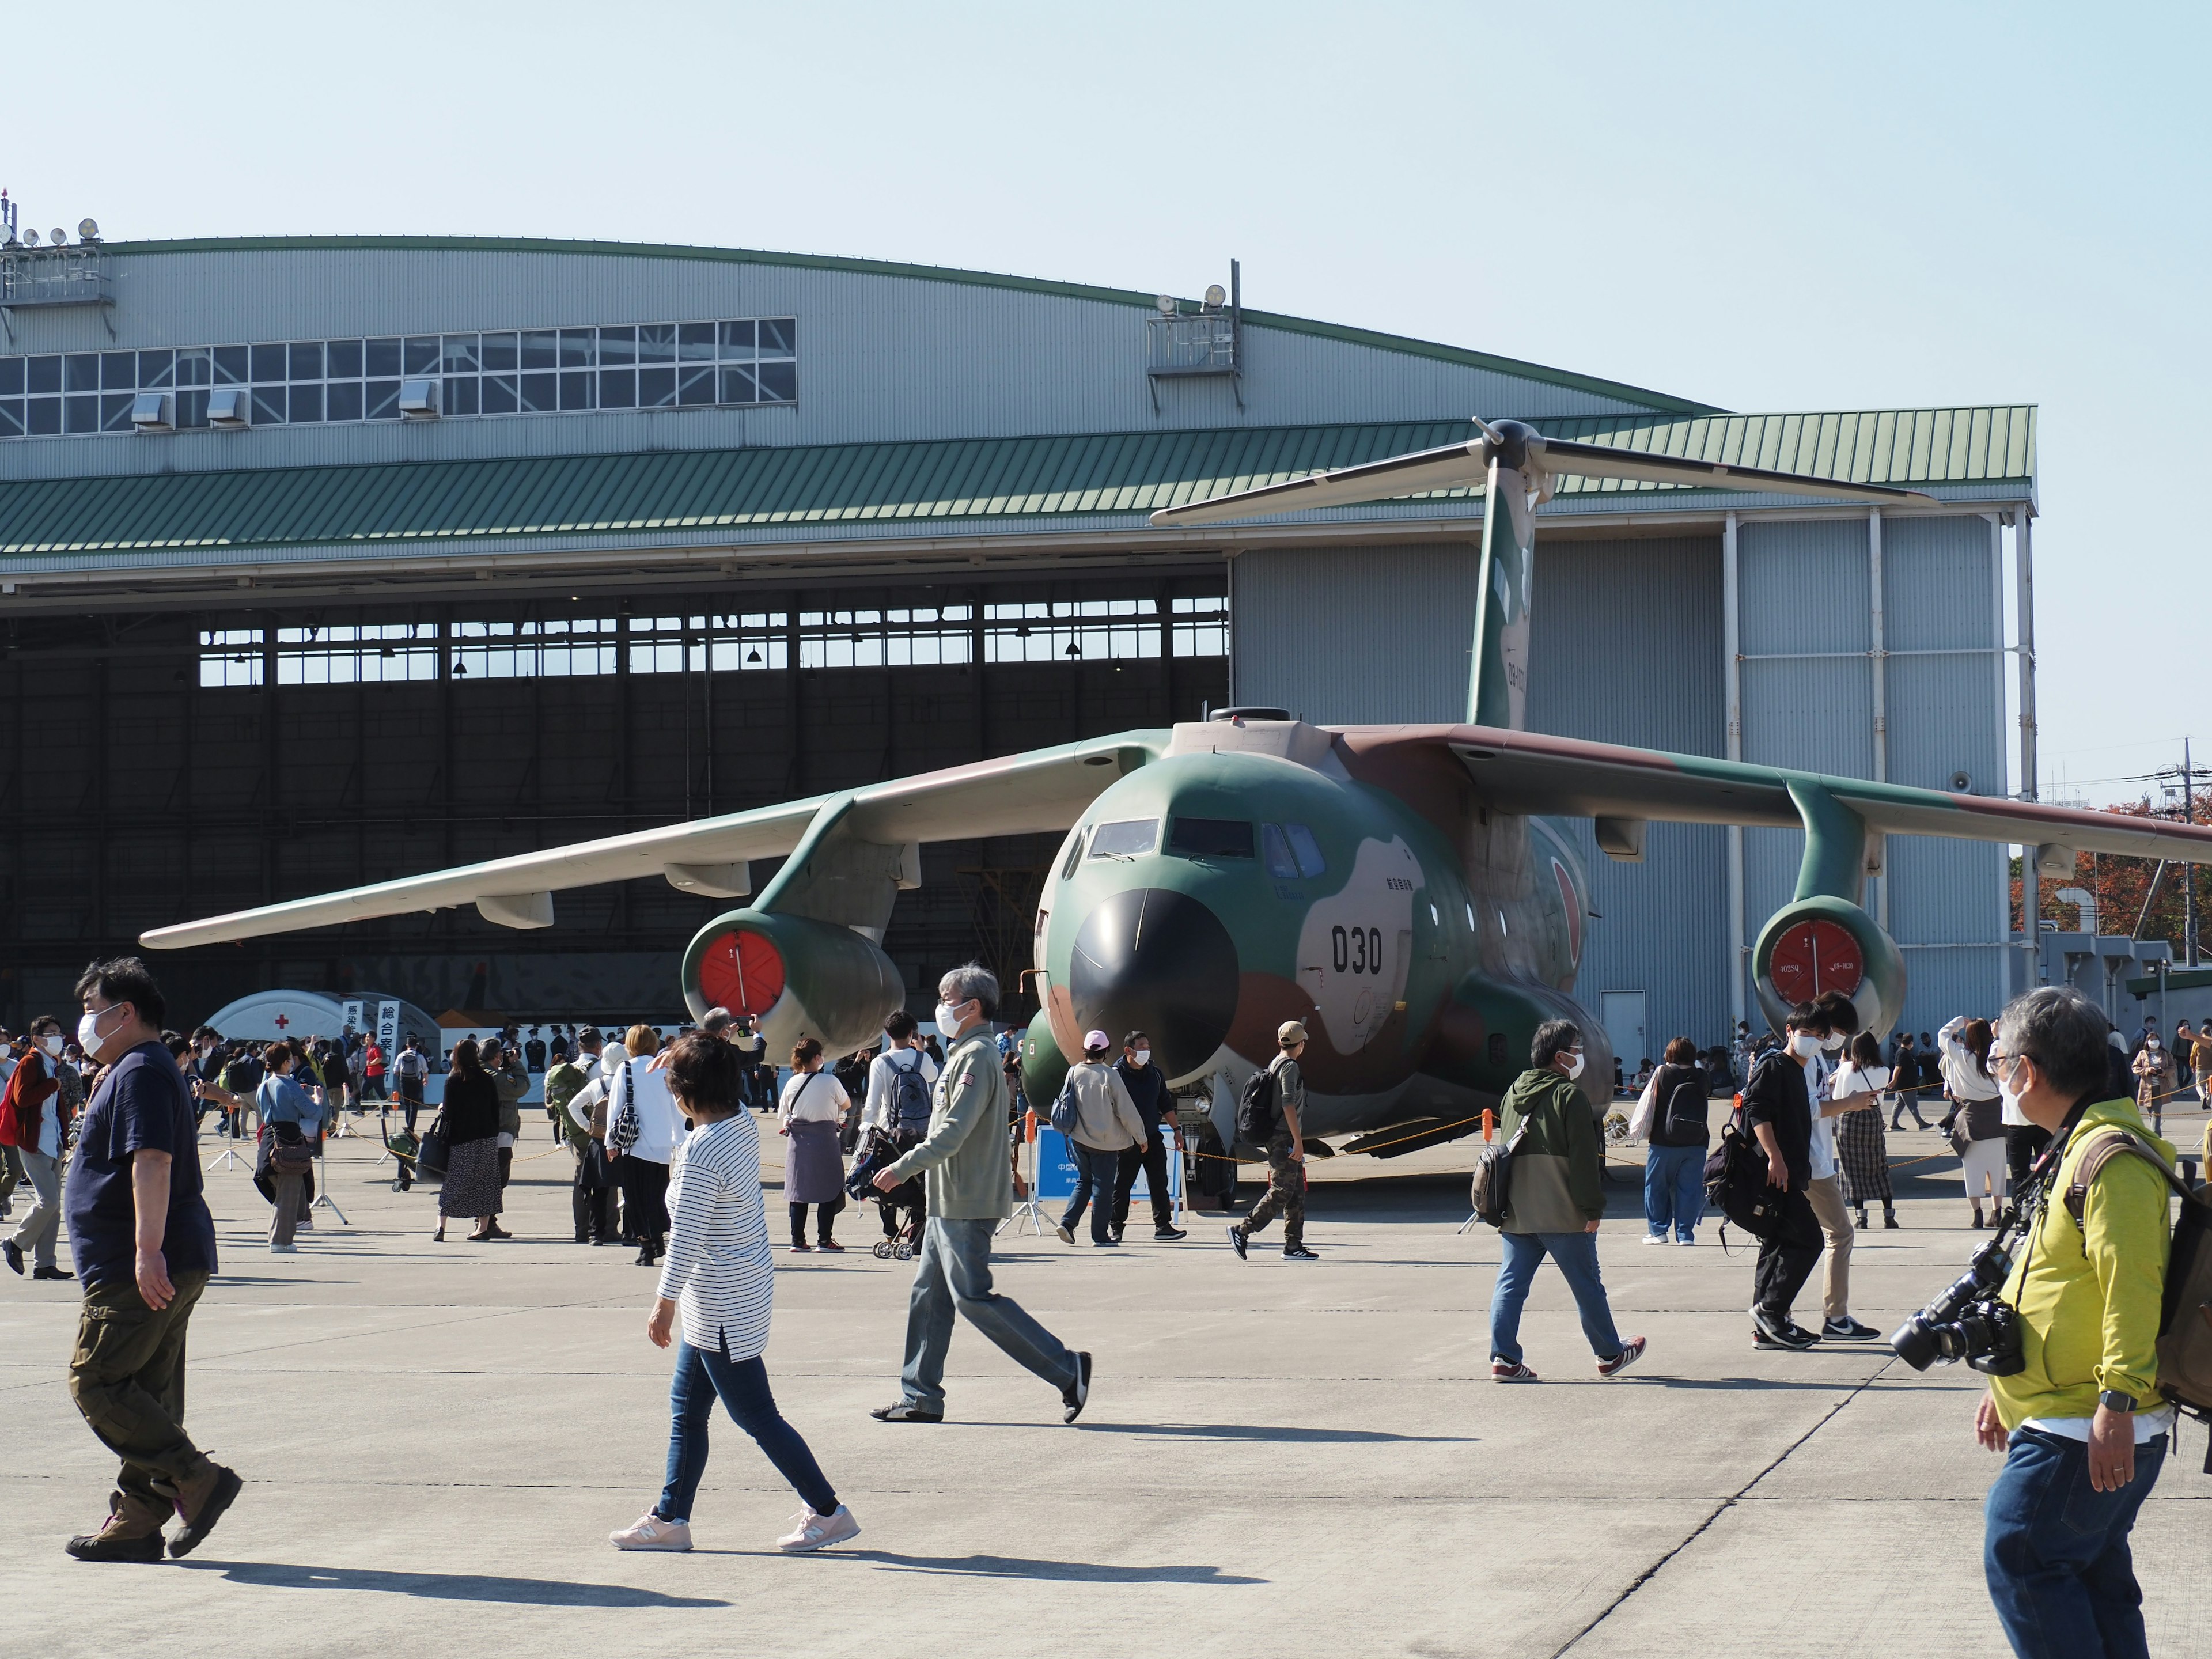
<point x="1285" y="1196"/>
<point x="127" y="1377"/>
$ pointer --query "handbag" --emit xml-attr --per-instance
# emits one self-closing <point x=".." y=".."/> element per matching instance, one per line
<point x="431" y="1156"/>
<point x="1640" y="1119"/>
<point x="295" y="1156"/>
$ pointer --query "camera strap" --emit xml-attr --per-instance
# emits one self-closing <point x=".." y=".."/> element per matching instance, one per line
<point x="2042" y="1174"/>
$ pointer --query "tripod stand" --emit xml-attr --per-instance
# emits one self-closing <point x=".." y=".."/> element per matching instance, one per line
<point x="1028" y="1210"/>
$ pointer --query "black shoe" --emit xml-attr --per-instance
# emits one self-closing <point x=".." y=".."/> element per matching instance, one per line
<point x="903" y="1413"/>
<point x="1114" y="1233"/>
<point x="1768" y="1332"/>
<point x="15" y="1257"/>
<point x="1076" y="1393"/>
<point x="57" y="1274"/>
<point x="1298" y="1253"/>
<point x="1168" y="1234"/>
<point x="1860" y="1221"/>
<point x="1237" y="1238"/>
<point x="1889" y="1218"/>
<point x="1848" y="1329"/>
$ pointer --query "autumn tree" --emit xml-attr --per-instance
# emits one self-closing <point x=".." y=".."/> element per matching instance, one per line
<point x="2122" y="886"/>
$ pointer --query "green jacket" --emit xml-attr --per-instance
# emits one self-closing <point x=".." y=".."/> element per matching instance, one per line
<point x="970" y="1177"/>
<point x="563" y="1082"/>
<point x="511" y="1082"/>
<point x="2089" y="1296"/>
<point x="1557" y="1184"/>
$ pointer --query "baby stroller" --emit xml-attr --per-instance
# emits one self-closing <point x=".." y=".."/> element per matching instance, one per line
<point x="879" y="1150"/>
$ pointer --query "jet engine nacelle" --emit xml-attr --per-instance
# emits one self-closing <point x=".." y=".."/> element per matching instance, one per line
<point x="796" y="977"/>
<point x="1813" y="945"/>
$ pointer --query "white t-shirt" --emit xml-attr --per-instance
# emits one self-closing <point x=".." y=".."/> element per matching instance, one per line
<point x="814" y="1097"/>
<point x="659" y="1125"/>
<point x="876" y="1114"/>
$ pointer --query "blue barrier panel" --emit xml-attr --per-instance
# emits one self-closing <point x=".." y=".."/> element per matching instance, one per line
<point x="1055" y="1170"/>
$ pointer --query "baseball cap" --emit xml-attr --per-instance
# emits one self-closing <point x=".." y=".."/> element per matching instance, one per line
<point x="1096" y="1040"/>
<point x="1290" y="1031"/>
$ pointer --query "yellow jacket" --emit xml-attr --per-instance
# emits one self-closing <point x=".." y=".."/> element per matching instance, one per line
<point x="2089" y="1296"/>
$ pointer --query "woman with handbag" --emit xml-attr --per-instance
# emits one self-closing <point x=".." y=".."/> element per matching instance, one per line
<point x="644" y="1129"/>
<point x="469" y="1124"/>
<point x="812" y="1113"/>
<point x="289" y="1123"/>
<point x="1977" y="1125"/>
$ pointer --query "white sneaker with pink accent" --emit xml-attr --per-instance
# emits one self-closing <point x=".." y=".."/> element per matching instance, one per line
<point x="811" y="1531"/>
<point x="650" y="1532"/>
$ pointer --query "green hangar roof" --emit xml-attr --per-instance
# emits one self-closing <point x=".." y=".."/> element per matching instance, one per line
<point x="982" y="484"/>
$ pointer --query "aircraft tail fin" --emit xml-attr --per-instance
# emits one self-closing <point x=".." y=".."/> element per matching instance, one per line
<point x="1498" y="675"/>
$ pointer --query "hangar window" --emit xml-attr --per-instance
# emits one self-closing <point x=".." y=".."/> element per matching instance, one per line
<point x="1052" y="630"/>
<point x="308" y="382"/>
<point x="230" y="656"/>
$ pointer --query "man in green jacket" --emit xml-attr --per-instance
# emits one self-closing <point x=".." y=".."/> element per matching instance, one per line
<point x="2083" y="1424"/>
<point x="1553" y="1203"/>
<point x="971" y="1191"/>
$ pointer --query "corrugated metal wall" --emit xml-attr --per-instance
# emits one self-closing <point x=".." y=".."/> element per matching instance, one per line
<point x="1355" y="636"/>
<point x="881" y="357"/>
<point x="1626" y="648"/>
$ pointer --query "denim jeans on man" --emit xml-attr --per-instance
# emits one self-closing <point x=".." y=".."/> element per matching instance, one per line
<point x="1675" y="1190"/>
<point x="1097" y="1180"/>
<point x="1577" y="1254"/>
<point x="2056" y="1552"/>
<point x="954" y="1271"/>
<point x="742" y="1385"/>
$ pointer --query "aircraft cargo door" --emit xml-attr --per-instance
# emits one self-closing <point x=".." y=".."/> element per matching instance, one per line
<point x="1622" y="1011"/>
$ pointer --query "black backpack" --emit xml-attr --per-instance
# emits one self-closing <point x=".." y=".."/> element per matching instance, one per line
<point x="1256" y="1116"/>
<point x="1682" y="1119"/>
<point x="1735" y="1173"/>
<point x="1493" y="1188"/>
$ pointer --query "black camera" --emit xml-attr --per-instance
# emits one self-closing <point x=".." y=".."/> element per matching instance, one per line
<point x="1969" y="1320"/>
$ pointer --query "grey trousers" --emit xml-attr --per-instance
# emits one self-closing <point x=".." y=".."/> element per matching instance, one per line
<point x="37" y="1231"/>
<point x="953" y="1271"/>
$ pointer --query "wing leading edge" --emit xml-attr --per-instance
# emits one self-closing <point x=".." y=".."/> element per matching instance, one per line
<point x="1044" y="789"/>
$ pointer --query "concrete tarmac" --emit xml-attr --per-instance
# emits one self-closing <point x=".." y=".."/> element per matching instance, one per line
<point x="1277" y="1458"/>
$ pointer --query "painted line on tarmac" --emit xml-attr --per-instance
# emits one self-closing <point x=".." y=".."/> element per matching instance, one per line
<point x="1723" y="1507"/>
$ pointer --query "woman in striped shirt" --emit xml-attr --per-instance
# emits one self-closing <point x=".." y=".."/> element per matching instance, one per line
<point x="719" y="1275"/>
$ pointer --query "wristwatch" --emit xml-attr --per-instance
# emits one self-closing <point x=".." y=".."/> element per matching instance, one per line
<point x="2113" y="1399"/>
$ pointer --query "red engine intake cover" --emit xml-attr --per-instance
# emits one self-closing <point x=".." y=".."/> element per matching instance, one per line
<point x="1813" y="957"/>
<point x="742" y="972"/>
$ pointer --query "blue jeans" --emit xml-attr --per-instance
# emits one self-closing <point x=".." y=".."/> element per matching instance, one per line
<point x="2056" y="1551"/>
<point x="741" y="1384"/>
<point x="954" y="1271"/>
<point x="1673" y="1189"/>
<point x="1097" y="1180"/>
<point x="1577" y="1254"/>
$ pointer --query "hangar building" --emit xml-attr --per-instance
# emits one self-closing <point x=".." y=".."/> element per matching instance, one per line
<point x="326" y="560"/>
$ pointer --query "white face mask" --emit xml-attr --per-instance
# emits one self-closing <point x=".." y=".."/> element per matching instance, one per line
<point x="87" y="1028"/>
<point x="1574" y="1066"/>
<point x="2153" y="1043"/>
<point x="2013" y="1097"/>
<point x="1141" y="1058"/>
<point x="948" y="1018"/>
<point x="51" y="1043"/>
<point x="1832" y="1042"/>
<point x="1804" y="1044"/>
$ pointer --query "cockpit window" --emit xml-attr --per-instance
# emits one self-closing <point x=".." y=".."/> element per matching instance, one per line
<point x="1282" y="863"/>
<point x="1310" y="862"/>
<point x="1074" y="855"/>
<point x="1211" y="838"/>
<point x="1125" y="839"/>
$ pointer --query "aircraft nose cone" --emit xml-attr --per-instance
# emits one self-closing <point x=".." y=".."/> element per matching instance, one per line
<point x="1160" y="962"/>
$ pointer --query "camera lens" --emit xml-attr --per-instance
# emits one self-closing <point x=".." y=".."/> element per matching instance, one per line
<point x="1915" y="1343"/>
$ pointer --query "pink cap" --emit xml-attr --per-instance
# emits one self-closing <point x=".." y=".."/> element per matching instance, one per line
<point x="1097" y="1040"/>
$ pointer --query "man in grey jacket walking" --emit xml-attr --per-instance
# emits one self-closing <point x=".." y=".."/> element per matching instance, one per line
<point x="971" y="1191"/>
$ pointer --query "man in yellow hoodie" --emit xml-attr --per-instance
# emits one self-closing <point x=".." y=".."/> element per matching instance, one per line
<point x="2083" y="1426"/>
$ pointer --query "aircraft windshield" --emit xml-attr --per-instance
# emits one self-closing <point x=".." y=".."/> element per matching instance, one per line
<point x="1291" y="850"/>
<point x="1211" y="838"/>
<point x="1125" y="839"/>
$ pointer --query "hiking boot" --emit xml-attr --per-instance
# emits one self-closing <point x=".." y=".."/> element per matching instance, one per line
<point x="200" y="1502"/>
<point x="1631" y="1352"/>
<point x="650" y="1532"/>
<point x="1237" y="1240"/>
<point x="118" y="1540"/>
<point x="1889" y="1218"/>
<point x="1076" y="1394"/>
<point x="1512" y="1371"/>
<point x="811" y="1531"/>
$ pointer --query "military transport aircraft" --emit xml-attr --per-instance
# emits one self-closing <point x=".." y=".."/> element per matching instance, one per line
<point x="1396" y="887"/>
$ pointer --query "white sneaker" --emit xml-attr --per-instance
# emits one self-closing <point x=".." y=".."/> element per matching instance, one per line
<point x="811" y="1531"/>
<point x="1687" y="1243"/>
<point x="650" y="1532"/>
<point x="1654" y="1239"/>
<point x="283" y="1250"/>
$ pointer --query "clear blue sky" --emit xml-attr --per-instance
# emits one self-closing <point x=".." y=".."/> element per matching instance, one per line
<point x="1757" y="205"/>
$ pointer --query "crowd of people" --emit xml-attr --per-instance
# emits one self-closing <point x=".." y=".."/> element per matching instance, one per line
<point x="667" y="1156"/>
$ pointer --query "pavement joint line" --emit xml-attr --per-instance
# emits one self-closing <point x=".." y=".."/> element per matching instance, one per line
<point x="1724" y="1506"/>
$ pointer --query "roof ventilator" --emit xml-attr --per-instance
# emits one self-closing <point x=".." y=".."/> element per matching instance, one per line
<point x="418" y="400"/>
<point x="150" y="411"/>
<point x="230" y="406"/>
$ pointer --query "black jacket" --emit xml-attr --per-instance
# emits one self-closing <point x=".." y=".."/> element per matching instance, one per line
<point x="471" y="1109"/>
<point x="1148" y="1088"/>
<point x="1777" y="1095"/>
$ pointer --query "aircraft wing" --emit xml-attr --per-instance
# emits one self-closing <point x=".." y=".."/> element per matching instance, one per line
<point x="1565" y="777"/>
<point x="1043" y="789"/>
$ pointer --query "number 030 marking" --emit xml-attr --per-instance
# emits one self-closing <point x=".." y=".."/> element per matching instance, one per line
<point x="1357" y="950"/>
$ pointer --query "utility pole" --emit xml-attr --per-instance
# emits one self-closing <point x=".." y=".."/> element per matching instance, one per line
<point x="2188" y="870"/>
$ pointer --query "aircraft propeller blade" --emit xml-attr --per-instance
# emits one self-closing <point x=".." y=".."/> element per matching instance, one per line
<point x="1467" y="466"/>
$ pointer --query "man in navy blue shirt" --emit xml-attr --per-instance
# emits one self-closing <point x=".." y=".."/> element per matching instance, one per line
<point x="1148" y="1089"/>
<point x="144" y="1246"/>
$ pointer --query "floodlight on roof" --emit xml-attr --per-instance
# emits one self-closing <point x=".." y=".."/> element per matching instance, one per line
<point x="30" y="238"/>
<point x="1214" y="295"/>
<point x="88" y="230"/>
<point x="57" y="236"/>
<point x="1164" y="304"/>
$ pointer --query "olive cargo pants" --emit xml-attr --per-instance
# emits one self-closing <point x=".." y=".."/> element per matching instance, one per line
<point x="127" y="1377"/>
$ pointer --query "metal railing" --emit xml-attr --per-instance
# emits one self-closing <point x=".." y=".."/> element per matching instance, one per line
<point x="65" y="276"/>
<point x="1201" y="343"/>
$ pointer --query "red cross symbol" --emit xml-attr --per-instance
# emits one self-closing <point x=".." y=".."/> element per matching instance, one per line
<point x="282" y="1022"/>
